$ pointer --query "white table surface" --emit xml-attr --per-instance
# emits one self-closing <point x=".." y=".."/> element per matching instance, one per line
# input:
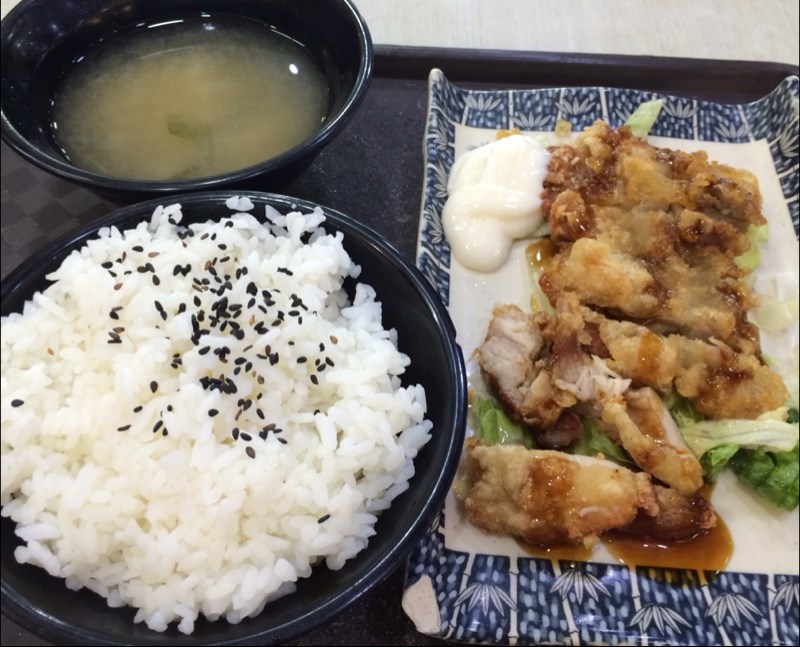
<point x="755" y="30"/>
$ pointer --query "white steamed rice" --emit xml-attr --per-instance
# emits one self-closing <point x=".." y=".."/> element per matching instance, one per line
<point x="155" y="454"/>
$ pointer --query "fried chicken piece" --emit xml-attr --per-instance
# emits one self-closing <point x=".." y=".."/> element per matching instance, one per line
<point x="643" y="426"/>
<point x="651" y="234"/>
<point x="678" y="517"/>
<point x="603" y="277"/>
<point x="546" y="497"/>
<point x="720" y="382"/>
<point x="611" y="167"/>
<point x="508" y="359"/>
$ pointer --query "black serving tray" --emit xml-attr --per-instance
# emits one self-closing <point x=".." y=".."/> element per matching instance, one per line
<point x="373" y="171"/>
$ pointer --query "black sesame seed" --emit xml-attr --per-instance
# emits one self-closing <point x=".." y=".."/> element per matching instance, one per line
<point x="314" y="379"/>
<point x="286" y="271"/>
<point x="156" y="281"/>
<point x="164" y="432"/>
<point x="153" y="386"/>
<point x="123" y="428"/>
<point x="138" y="408"/>
<point x="235" y="433"/>
<point x="246" y="437"/>
<point x="113" y="315"/>
<point x="250" y="451"/>
<point x="329" y="361"/>
<point x="323" y="518"/>
<point x="158" y="426"/>
<point x="212" y="413"/>
<point x="204" y="350"/>
<point x="281" y="440"/>
<point x="107" y="265"/>
<point x="137" y="248"/>
<point x="260" y="413"/>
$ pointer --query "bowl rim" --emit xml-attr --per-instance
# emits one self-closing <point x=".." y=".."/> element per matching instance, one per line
<point x="50" y="627"/>
<point x="60" y="167"/>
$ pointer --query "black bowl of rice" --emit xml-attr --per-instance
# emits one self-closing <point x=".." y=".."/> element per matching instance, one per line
<point x="224" y="417"/>
<point x="134" y="99"/>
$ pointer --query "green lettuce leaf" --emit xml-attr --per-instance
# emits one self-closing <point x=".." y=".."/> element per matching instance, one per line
<point x="756" y="234"/>
<point x="716" y="459"/>
<point x="593" y="441"/>
<point x="493" y="425"/>
<point x="774" y="475"/>
<point x="643" y="118"/>
<point x="769" y="431"/>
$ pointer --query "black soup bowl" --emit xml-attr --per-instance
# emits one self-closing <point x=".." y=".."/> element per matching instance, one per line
<point x="42" y="41"/>
<point x="425" y="333"/>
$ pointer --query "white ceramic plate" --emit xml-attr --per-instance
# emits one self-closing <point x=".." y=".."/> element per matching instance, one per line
<point x="467" y="585"/>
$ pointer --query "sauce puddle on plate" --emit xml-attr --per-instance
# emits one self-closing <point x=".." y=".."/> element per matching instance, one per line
<point x="188" y="98"/>
<point x="707" y="551"/>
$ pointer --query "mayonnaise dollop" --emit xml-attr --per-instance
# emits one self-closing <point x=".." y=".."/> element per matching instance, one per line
<point x="493" y="198"/>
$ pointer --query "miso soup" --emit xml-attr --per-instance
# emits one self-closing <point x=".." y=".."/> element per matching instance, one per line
<point x="188" y="99"/>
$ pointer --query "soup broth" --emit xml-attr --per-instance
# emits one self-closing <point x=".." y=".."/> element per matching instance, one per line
<point x="188" y="99"/>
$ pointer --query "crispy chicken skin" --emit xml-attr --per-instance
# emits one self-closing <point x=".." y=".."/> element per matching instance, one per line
<point x="547" y="497"/>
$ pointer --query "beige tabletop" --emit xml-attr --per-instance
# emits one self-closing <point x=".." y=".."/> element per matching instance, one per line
<point x="766" y="30"/>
